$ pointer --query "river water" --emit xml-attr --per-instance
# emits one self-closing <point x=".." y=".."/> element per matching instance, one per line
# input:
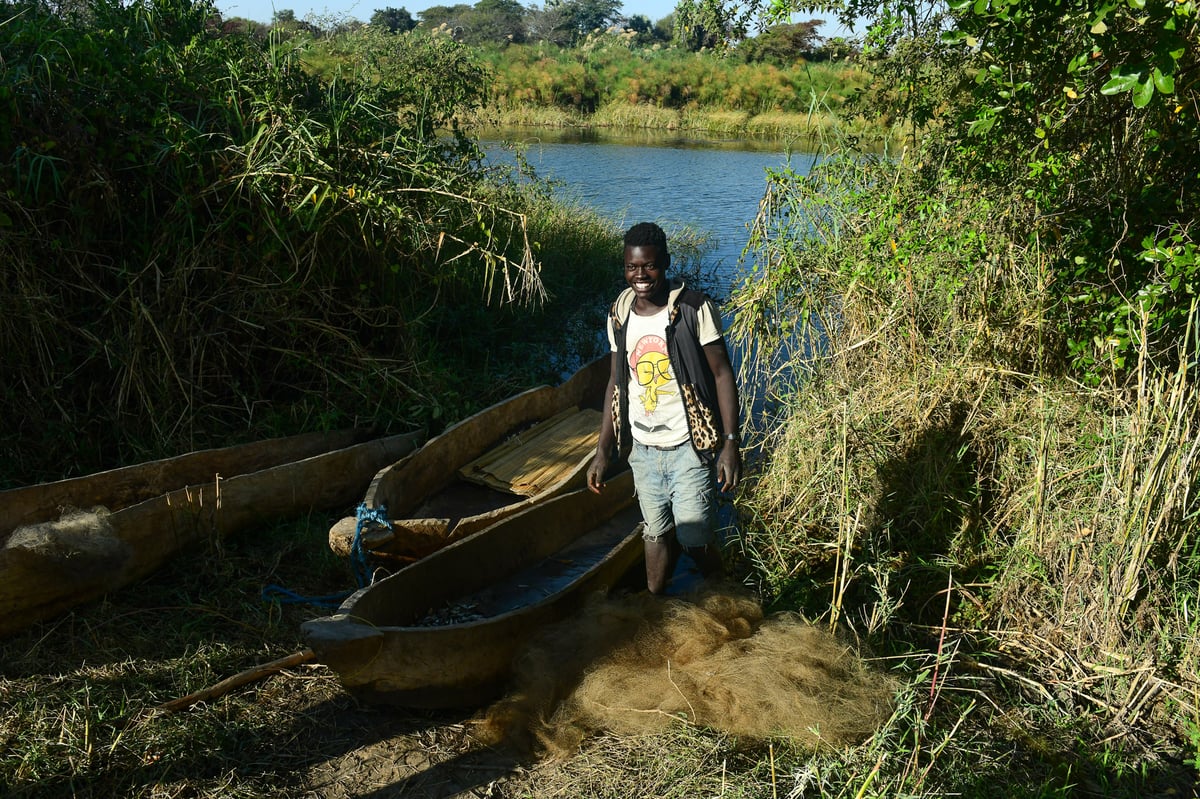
<point x="713" y="187"/>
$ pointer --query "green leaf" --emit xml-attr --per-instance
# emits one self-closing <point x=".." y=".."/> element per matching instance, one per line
<point x="1121" y="81"/>
<point x="979" y="127"/>
<point x="1137" y="4"/>
<point x="1164" y="82"/>
<point x="1143" y="93"/>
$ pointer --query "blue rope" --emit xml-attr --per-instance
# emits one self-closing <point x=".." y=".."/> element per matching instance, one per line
<point x="358" y="563"/>
<point x="277" y="593"/>
<point x="358" y="556"/>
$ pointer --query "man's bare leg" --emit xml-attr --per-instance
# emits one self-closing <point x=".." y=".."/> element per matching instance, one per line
<point x="661" y="556"/>
<point x="708" y="560"/>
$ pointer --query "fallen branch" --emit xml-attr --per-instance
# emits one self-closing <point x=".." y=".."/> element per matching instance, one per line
<point x="238" y="680"/>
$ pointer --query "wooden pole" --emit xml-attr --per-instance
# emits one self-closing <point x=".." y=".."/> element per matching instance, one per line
<point x="238" y="680"/>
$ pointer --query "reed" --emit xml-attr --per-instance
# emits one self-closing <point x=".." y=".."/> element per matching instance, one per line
<point x="636" y="117"/>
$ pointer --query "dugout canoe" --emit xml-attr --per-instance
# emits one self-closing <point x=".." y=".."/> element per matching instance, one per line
<point x="71" y="541"/>
<point x="504" y="459"/>
<point x="442" y="632"/>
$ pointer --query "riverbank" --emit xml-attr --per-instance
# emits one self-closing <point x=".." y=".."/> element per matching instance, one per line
<point x="1014" y="545"/>
<point x="643" y="124"/>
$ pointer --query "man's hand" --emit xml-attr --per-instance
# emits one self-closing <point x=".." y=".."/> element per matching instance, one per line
<point x="595" y="472"/>
<point x="729" y="466"/>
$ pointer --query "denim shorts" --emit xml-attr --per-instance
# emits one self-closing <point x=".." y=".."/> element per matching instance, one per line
<point x="676" y="488"/>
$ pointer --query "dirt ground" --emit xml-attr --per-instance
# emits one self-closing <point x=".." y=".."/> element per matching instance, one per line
<point x="339" y="748"/>
<point x="391" y="754"/>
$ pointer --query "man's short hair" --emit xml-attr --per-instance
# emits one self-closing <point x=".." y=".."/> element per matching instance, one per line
<point x="647" y="234"/>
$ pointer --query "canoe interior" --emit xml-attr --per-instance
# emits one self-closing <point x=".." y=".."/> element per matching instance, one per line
<point x="539" y="580"/>
<point x="503" y="566"/>
<point x="462" y="499"/>
<point x="406" y="485"/>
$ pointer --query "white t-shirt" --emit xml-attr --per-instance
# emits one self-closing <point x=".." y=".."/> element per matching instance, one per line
<point x="656" y="414"/>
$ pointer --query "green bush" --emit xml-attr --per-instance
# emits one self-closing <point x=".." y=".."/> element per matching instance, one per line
<point x="205" y="241"/>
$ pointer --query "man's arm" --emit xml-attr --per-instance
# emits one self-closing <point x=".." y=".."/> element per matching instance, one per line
<point x="729" y="462"/>
<point x="599" y="464"/>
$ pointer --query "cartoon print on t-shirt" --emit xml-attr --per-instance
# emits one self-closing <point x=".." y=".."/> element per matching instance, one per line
<point x="651" y="366"/>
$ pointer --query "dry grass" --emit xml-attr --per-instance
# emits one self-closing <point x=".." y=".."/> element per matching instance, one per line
<point x="642" y="115"/>
<point x="78" y="698"/>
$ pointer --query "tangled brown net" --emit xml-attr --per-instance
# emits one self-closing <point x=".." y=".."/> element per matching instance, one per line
<point x="636" y="664"/>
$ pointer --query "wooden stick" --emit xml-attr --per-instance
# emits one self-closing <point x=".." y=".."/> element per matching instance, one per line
<point x="238" y="680"/>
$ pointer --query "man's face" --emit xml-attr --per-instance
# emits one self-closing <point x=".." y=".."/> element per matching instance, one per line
<point x="646" y="272"/>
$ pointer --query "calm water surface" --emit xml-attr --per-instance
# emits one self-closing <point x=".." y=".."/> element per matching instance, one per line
<point x="713" y="188"/>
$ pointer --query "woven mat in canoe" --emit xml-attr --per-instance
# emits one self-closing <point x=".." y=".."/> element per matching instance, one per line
<point x="528" y="462"/>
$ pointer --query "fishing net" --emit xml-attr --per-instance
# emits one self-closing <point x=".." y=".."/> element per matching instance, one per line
<point x="635" y="664"/>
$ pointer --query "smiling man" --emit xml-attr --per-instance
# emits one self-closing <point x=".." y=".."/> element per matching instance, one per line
<point x="673" y="411"/>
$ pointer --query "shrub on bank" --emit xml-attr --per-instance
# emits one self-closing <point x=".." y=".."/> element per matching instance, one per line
<point x="207" y="243"/>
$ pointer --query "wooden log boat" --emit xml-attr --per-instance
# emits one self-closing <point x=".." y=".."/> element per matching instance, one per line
<point x="504" y="459"/>
<point x="442" y="631"/>
<point x="70" y="541"/>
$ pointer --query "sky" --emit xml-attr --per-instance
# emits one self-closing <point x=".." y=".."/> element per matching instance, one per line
<point x="264" y="10"/>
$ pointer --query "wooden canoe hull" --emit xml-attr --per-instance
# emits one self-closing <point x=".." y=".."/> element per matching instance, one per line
<point x="404" y="487"/>
<point x="50" y="567"/>
<point x="381" y="651"/>
<point x="129" y="485"/>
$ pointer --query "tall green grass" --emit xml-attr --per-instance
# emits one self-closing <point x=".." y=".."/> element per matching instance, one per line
<point x="1023" y="545"/>
<point x="206" y="242"/>
<point x="607" y="69"/>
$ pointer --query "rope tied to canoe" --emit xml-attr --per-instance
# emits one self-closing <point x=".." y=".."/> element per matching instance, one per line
<point x="358" y="563"/>
<point x="358" y="555"/>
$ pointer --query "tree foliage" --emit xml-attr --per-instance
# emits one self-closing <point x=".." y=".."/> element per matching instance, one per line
<point x="488" y="21"/>
<point x="1090" y="107"/>
<point x="452" y="17"/>
<point x="783" y="45"/>
<point x="394" y="20"/>
<point x="1093" y="106"/>
<point x="585" y="16"/>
